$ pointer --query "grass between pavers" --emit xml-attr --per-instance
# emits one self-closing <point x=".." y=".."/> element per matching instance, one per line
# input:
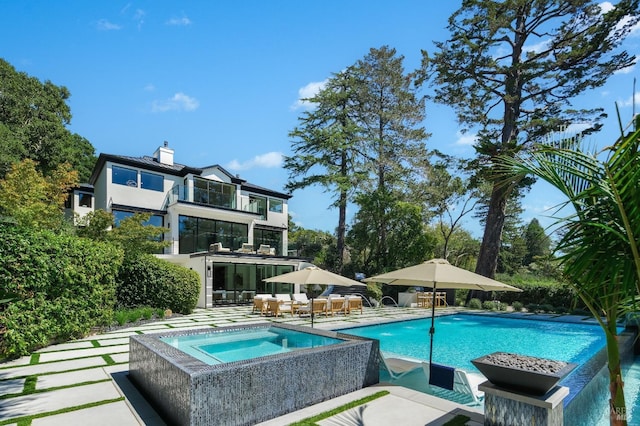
<point x="35" y="359"/>
<point x="26" y="420"/>
<point x="311" y="421"/>
<point x="30" y="387"/>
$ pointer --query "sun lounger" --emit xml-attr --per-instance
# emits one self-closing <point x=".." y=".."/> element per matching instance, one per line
<point x="461" y="381"/>
<point x="319" y="307"/>
<point x="336" y="305"/>
<point x="398" y="367"/>
<point x="276" y="308"/>
<point x="354" y="303"/>
<point x="260" y="303"/>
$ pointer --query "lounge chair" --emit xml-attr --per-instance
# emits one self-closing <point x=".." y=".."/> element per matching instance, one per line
<point x="398" y="367"/>
<point x="319" y="307"/>
<point x="336" y="305"/>
<point x="461" y="381"/>
<point x="246" y="248"/>
<point x="217" y="247"/>
<point x="354" y="303"/>
<point x="260" y="303"/>
<point x="266" y="249"/>
<point x="276" y="308"/>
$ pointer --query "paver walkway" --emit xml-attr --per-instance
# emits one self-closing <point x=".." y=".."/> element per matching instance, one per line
<point x="84" y="381"/>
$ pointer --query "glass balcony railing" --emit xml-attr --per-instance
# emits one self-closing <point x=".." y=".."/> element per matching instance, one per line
<point x="210" y="196"/>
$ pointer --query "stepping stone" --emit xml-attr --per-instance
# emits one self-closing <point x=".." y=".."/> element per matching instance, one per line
<point x="71" y="378"/>
<point x="115" y="413"/>
<point x="81" y="353"/>
<point x="57" y="400"/>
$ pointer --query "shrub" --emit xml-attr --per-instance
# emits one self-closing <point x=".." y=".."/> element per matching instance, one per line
<point x="63" y="286"/>
<point x="517" y="306"/>
<point x="489" y="305"/>
<point x="474" y="304"/>
<point x="146" y="280"/>
<point x="532" y="307"/>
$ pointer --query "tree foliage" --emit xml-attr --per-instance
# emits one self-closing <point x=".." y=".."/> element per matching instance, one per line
<point x="599" y="246"/>
<point x="326" y="147"/>
<point x="34" y="200"/>
<point x="34" y="116"/>
<point x="511" y="68"/>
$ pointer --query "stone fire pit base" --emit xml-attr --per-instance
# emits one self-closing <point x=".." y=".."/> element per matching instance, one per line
<point x="506" y="407"/>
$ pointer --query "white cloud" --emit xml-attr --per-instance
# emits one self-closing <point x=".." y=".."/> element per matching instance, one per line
<point x="138" y="16"/>
<point x="608" y="6"/>
<point x="104" y="25"/>
<point x="538" y="47"/>
<point x="179" y="102"/>
<point x="184" y="21"/>
<point x="149" y="88"/>
<point x="630" y="100"/>
<point x="265" y="161"/>
<point x="465" y="139"/>
<point x="308" y="91"/>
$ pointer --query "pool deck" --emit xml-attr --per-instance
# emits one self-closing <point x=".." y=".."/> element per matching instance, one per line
<point x="85" y="381"/>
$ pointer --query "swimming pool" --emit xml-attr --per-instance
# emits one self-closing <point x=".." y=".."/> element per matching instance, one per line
<point x="215" y="348"/>
<point x="462" y="337"/>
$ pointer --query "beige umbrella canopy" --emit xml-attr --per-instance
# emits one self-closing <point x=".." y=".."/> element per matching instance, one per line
<point x="441" y="274"/>
<point x="313" y="275"/>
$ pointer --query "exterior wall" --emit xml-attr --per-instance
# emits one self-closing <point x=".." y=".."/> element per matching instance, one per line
<point x="136" y="196"/>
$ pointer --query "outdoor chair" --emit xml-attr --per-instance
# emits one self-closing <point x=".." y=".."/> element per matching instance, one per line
<point x="353" y="303"/>
<point x="336" y="305"/>
<point x="317" y="306"/>
<point x="454" y="379"/>
<point x="260" y="305"/>
<point x="398" y="367"/>
<point x="276" y="308"/>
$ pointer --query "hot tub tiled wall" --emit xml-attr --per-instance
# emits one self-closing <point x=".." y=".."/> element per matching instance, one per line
<point x="187" y="391"/>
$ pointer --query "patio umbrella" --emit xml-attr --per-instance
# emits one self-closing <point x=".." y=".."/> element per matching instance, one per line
<point x="313" y="275"/>
<point x="439" y="273"/>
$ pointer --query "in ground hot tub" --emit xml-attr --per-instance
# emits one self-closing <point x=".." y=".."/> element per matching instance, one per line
<point x="243" y="375"/>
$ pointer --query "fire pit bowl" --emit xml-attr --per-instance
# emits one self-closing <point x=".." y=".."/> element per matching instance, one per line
<point x="522" y="373"/>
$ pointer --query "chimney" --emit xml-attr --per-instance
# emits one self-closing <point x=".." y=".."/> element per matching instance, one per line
<point x="164" y="154"/>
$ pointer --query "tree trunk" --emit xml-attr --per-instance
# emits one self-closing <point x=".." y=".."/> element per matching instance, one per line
<point x="492" y="238"/>
<point x="342" y="229"/>
<point x="617" y="406"/>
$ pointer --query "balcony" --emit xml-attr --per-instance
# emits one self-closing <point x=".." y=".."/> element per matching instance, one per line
<point x="216" y="195"/>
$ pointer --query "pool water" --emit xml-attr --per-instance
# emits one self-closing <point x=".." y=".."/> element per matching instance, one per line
<point x="460" y="338"/>
<point x="216" y="347"/>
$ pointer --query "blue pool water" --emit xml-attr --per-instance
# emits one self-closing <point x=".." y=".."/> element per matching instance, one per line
<point x="229" y="346"/>
<point x="460" y="338"/>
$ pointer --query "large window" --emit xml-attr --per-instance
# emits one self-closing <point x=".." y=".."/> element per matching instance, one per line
<point x="85" y="199"/>
<point x="269" y="237"/>
<point x="275" y="205"/>
<point x="151" y="181"/>
<point x="124" y="176"/>
<point x="214" y="193"/>
<point x="196" y="234"/>
<point x="258" y="205"/>
<point x="155" y="220"/>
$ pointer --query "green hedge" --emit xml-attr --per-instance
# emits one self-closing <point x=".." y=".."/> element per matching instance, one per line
<point x="146" y="280"/>
<point x="55" y="287"/>
<point x="557" y="295"/>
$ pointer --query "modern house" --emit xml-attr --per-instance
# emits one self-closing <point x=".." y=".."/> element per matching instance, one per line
<point x="232" y="232"/>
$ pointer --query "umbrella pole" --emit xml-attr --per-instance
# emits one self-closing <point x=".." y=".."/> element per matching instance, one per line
<point x="432" y="330"/>
<point x="311" y="310"/>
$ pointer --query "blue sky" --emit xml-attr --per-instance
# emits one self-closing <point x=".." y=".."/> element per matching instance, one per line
<point x="221" y="80"/>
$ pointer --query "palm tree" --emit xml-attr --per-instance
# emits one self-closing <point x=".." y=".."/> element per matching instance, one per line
<point x="599" y="244"/>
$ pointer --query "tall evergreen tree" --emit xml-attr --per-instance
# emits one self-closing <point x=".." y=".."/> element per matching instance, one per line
<point x="511" y="69"/>
<point x="390" y="117"/>
<point x="326" y="148"/>
<point x="537" y="242"/>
